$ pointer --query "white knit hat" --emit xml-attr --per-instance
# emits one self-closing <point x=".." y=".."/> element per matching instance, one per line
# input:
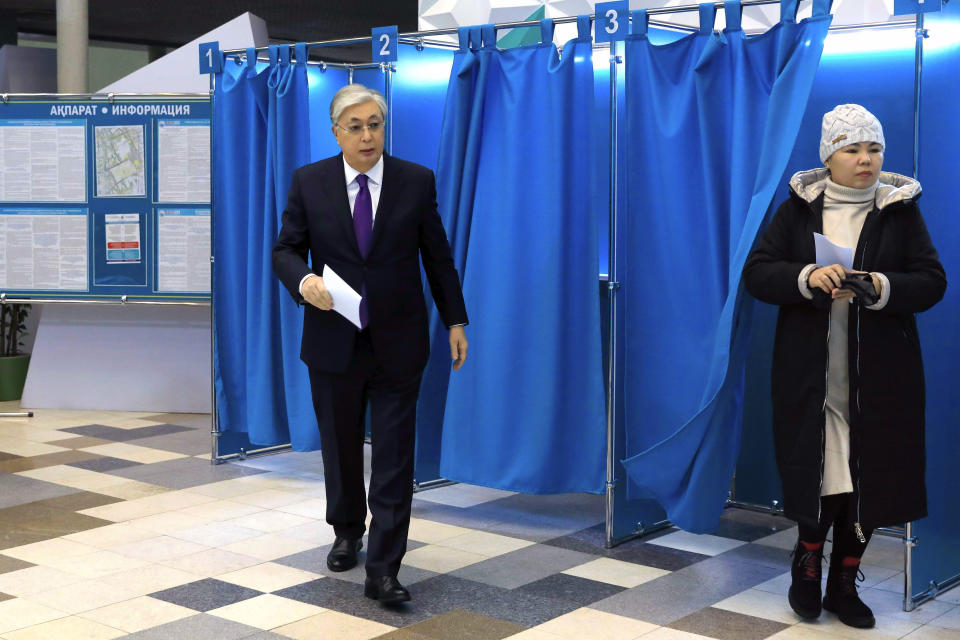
<point x="848" y="124"/>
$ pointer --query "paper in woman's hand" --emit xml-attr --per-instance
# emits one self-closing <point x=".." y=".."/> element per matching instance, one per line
<point x="829" y="253"/>
<point x="346" y="301"/>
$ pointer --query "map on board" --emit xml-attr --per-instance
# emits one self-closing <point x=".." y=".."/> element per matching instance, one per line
<point x="120" y="161"/>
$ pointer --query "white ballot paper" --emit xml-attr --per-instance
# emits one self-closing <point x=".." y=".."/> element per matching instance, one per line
<point x="346" y="301"/>
<point x="829" y="253"/>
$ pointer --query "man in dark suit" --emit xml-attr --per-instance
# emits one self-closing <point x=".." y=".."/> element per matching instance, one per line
<point x="370" y="218"/>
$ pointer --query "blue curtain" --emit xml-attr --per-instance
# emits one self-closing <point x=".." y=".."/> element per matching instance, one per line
<point x="261" y="135"/>
<point x="526" y="412"/>
<point x="711" y="122"/>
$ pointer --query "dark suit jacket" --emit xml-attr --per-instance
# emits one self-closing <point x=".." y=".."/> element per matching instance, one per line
<point x="317" y="220"/>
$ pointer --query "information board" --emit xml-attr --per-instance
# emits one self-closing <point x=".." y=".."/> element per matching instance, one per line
<point x="105" y="199"/>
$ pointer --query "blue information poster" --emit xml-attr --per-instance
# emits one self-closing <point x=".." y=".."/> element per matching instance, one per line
<point x="105" y="199"/>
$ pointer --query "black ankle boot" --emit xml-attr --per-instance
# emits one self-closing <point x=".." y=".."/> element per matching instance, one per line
<point x="806" y="572"/>
<point x="842" y="598"/>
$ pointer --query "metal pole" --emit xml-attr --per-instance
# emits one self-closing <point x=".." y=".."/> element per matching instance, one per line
<point x="214" y="424"/>
<point x="909" y="540"/>
<point x="612" y="286"/>
<point x="387" y="68"/>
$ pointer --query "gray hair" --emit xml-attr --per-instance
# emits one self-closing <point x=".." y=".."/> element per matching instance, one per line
<point x="354" y="94"/>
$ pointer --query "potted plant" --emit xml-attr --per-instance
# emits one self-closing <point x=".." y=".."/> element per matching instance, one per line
<point x="13" y="362"/>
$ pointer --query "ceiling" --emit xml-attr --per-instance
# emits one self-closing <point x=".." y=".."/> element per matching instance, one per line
<point x="172" y="23"/>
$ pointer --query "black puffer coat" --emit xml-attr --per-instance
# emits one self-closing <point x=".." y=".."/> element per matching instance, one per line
<point x="887" y="456"/>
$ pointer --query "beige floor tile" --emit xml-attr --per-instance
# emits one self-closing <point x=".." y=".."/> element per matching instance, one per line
<point x="665" y="633"/>
<point x="147" y="506"/>
<point x="267" y="611"/>
<point x="134" y="453"/>
<point x="26" y="582"/>
<point x="762" y="604"/>
<point x="590" y="624"/>
<point x="886" y="628"/>
<point x="159" y="549"/>
<point x="928" y="632"/>
<point x="269" y="546"/>
<point x="484" y="543"/>
<point x="219" y="510"/>
<point x="216" y="534"/>
<point x="314" y="508"/>
<point x="697" y="543"/>
<point x="132" y="490"/>
<point x="333" y="625"/>
<point x="58" y="473"/>
<point x="25" y="448"/>
<point x="270" y="520"/>
<point x="110" y="536"/>
<point x="74" y="628"/>
<point x="622" y="574"/>
<point x="534" y="634"/>
<point x="805" y="631"/>
<point x="125" y="422"/>
<point x="123" y="511"/>
<point x="32" y="433"/>
<point x="100" y="563"/>
<point x="138" y="614"/>
<point x="267" y="498"/>
<point x="20" y="614"/>
<point x="224" y="489"/>
<point x="150" y="579"/>
<point x="50" y="552"/>
<point x="167" y="522"/>
<point x="441" y="559"/>
<point x="211" y="562"/>
<point x="317" y="533"/>
<point x="83" y="596"/>
<point x="268" y="577"/>
<point x="433" y="532"/>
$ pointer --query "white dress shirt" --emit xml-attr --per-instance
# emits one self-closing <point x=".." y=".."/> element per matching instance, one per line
<point x="374" y="182"/>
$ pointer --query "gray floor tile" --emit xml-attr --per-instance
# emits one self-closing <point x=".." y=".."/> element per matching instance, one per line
<point x="539" y="528"/>
<point x="116" y="434"/>
<point x="746" y="531"/>
<point x="105" y="464"/>
<point x="189" y="443"/>
<point x="347" y="597"/>
<point x="266" y="635"/>
<point x="685" y="591"/>
<point x="758" y="554"/>
<point x="571" y="589"/>
<point x="184" y="473"/>
<point x="199" y="627"/>
<point x="315" y="560"/>
<point x="206" y="594"/>
<point x="470" y="518"/>
<point x="523" y="566"/>
<point x="727" y="625"/>
<point x="637" y="551"/>
<point x="445" y="593"/>
<point x="16" y="490"/>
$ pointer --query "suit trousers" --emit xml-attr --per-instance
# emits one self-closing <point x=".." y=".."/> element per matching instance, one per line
<point x="340" y="401"/>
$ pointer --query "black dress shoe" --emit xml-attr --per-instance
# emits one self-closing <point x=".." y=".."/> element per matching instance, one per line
<point x="386" y="589"/>
<point x="343" y="554"/>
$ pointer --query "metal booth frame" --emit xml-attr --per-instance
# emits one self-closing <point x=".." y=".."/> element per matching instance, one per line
<point x="421" y="38"/>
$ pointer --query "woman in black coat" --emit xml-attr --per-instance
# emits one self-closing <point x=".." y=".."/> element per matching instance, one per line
<point x="847" y="379"/>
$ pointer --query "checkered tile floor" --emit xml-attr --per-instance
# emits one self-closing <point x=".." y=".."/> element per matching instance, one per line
<point x="116" y="525"/>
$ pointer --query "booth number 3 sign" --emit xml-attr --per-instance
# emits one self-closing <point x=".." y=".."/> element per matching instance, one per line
<point x="612" y="21"/>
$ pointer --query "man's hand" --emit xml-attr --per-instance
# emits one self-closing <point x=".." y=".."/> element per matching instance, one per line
<point x="315" y="292"/>
<point x="458" y="347"/>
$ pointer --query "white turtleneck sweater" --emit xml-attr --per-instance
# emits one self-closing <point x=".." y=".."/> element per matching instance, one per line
<point x="844" y="211"/>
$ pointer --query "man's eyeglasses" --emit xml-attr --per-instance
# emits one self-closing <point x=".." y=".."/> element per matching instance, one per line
<point x="357" y="129"/>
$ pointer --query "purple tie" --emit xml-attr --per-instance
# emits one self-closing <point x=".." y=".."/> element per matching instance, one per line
<point x="363" y="227"/>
